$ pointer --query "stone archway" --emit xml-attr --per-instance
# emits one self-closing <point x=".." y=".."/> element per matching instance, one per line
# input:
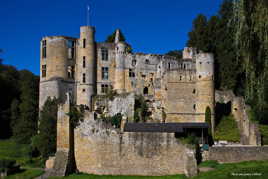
<point x="249" y="132"/>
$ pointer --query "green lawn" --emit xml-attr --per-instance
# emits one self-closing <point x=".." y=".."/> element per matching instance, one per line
<point x="26" y="174"/>
<point x="85" y="176"/>
<point x="9" y="149"/>
<point x="253" y="170"/>
<point x="222" y="171"/>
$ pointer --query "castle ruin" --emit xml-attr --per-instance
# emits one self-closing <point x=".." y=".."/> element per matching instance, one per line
<point x="182" y="89"/>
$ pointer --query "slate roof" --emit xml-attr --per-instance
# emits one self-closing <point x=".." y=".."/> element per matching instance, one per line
<point x="163" y="127"/>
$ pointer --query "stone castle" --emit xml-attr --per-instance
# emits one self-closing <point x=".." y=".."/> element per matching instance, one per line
<point x="181" y="88"/>
<point x="81" y="71"/>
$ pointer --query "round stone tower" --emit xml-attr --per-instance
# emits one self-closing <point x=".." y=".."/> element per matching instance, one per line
<point x="86" y="66"/>
<point x="54" y="53"/>
<point x="120" y="55"/>
<point x="54" y="63"/>
<point x="204" y="86"/>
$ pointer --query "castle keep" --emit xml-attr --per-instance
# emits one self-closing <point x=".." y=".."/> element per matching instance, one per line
<point x="180" y="88"/>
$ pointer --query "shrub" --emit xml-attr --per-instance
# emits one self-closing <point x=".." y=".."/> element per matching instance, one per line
<point x="141" y="109"/>
<point x="114" y="120"/>
<point x="190" y="139"/>
<point x="251" y="115"/>
<point x="111" y="94"/>
<point x="264" y="134"/>
<point x="208" y="119"/>
<point x="6" y="164"/>
<point x="76" y="114"/>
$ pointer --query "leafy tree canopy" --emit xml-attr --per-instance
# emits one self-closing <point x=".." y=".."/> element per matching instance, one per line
<point x="111" y="37"/>
<point x="175" y="53"/>
<point x="45" y="141"/>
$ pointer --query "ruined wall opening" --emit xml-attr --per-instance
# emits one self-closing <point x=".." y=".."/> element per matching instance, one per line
<point x="222" y="109"/>
<point x="145" y="91"/>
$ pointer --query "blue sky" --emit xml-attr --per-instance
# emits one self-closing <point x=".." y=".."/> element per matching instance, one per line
<point x="150" y="26"/>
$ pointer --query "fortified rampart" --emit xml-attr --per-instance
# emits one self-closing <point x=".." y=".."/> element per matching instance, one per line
<point x="102" y="150"/>
<point x="96" y="147"/>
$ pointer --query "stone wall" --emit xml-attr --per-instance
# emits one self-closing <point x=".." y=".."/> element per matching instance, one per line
<point x="103" y="150"/>
<point x="229" y="154"/>
<point x="123" y="104"/>
<point x="55" y="88"/>
<point x="180" y="96"/>
<point x="64" y="162"/>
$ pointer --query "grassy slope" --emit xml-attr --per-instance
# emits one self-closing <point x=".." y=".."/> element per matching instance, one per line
<point x="26" y="174"/>
<point x="227" y="130"/>
<point x="10" y="150"/>
<point x="19" y="152"/>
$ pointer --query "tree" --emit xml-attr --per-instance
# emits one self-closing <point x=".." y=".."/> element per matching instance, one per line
<point x="175" y="53"/>
<point x="111" y="37"/>
<point x="198" y="37"/>
<point x="45" y="141"/>
<point x="1" y="60"/>
<point x="26" y="125"/>
<point x="76" y="114"/>
<point x="14" y="113"/>
<point x="216" y="36"/>
<point x="251" y="44"/>
<point x="9" y="89"/>
<point x="208" y="120"/>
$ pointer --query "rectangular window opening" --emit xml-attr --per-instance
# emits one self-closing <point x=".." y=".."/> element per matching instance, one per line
<point x="44" y="71"/>
<point x="131" y="73"/>
<point x="105" y="73"/>
<point x="84" y="62"/>
<point x="84" y="43"/>
<point x="104" y="54"/>
<point x="84" y="78"/>
<point x="44" y="48"/>
<point x="104" y="88"/>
